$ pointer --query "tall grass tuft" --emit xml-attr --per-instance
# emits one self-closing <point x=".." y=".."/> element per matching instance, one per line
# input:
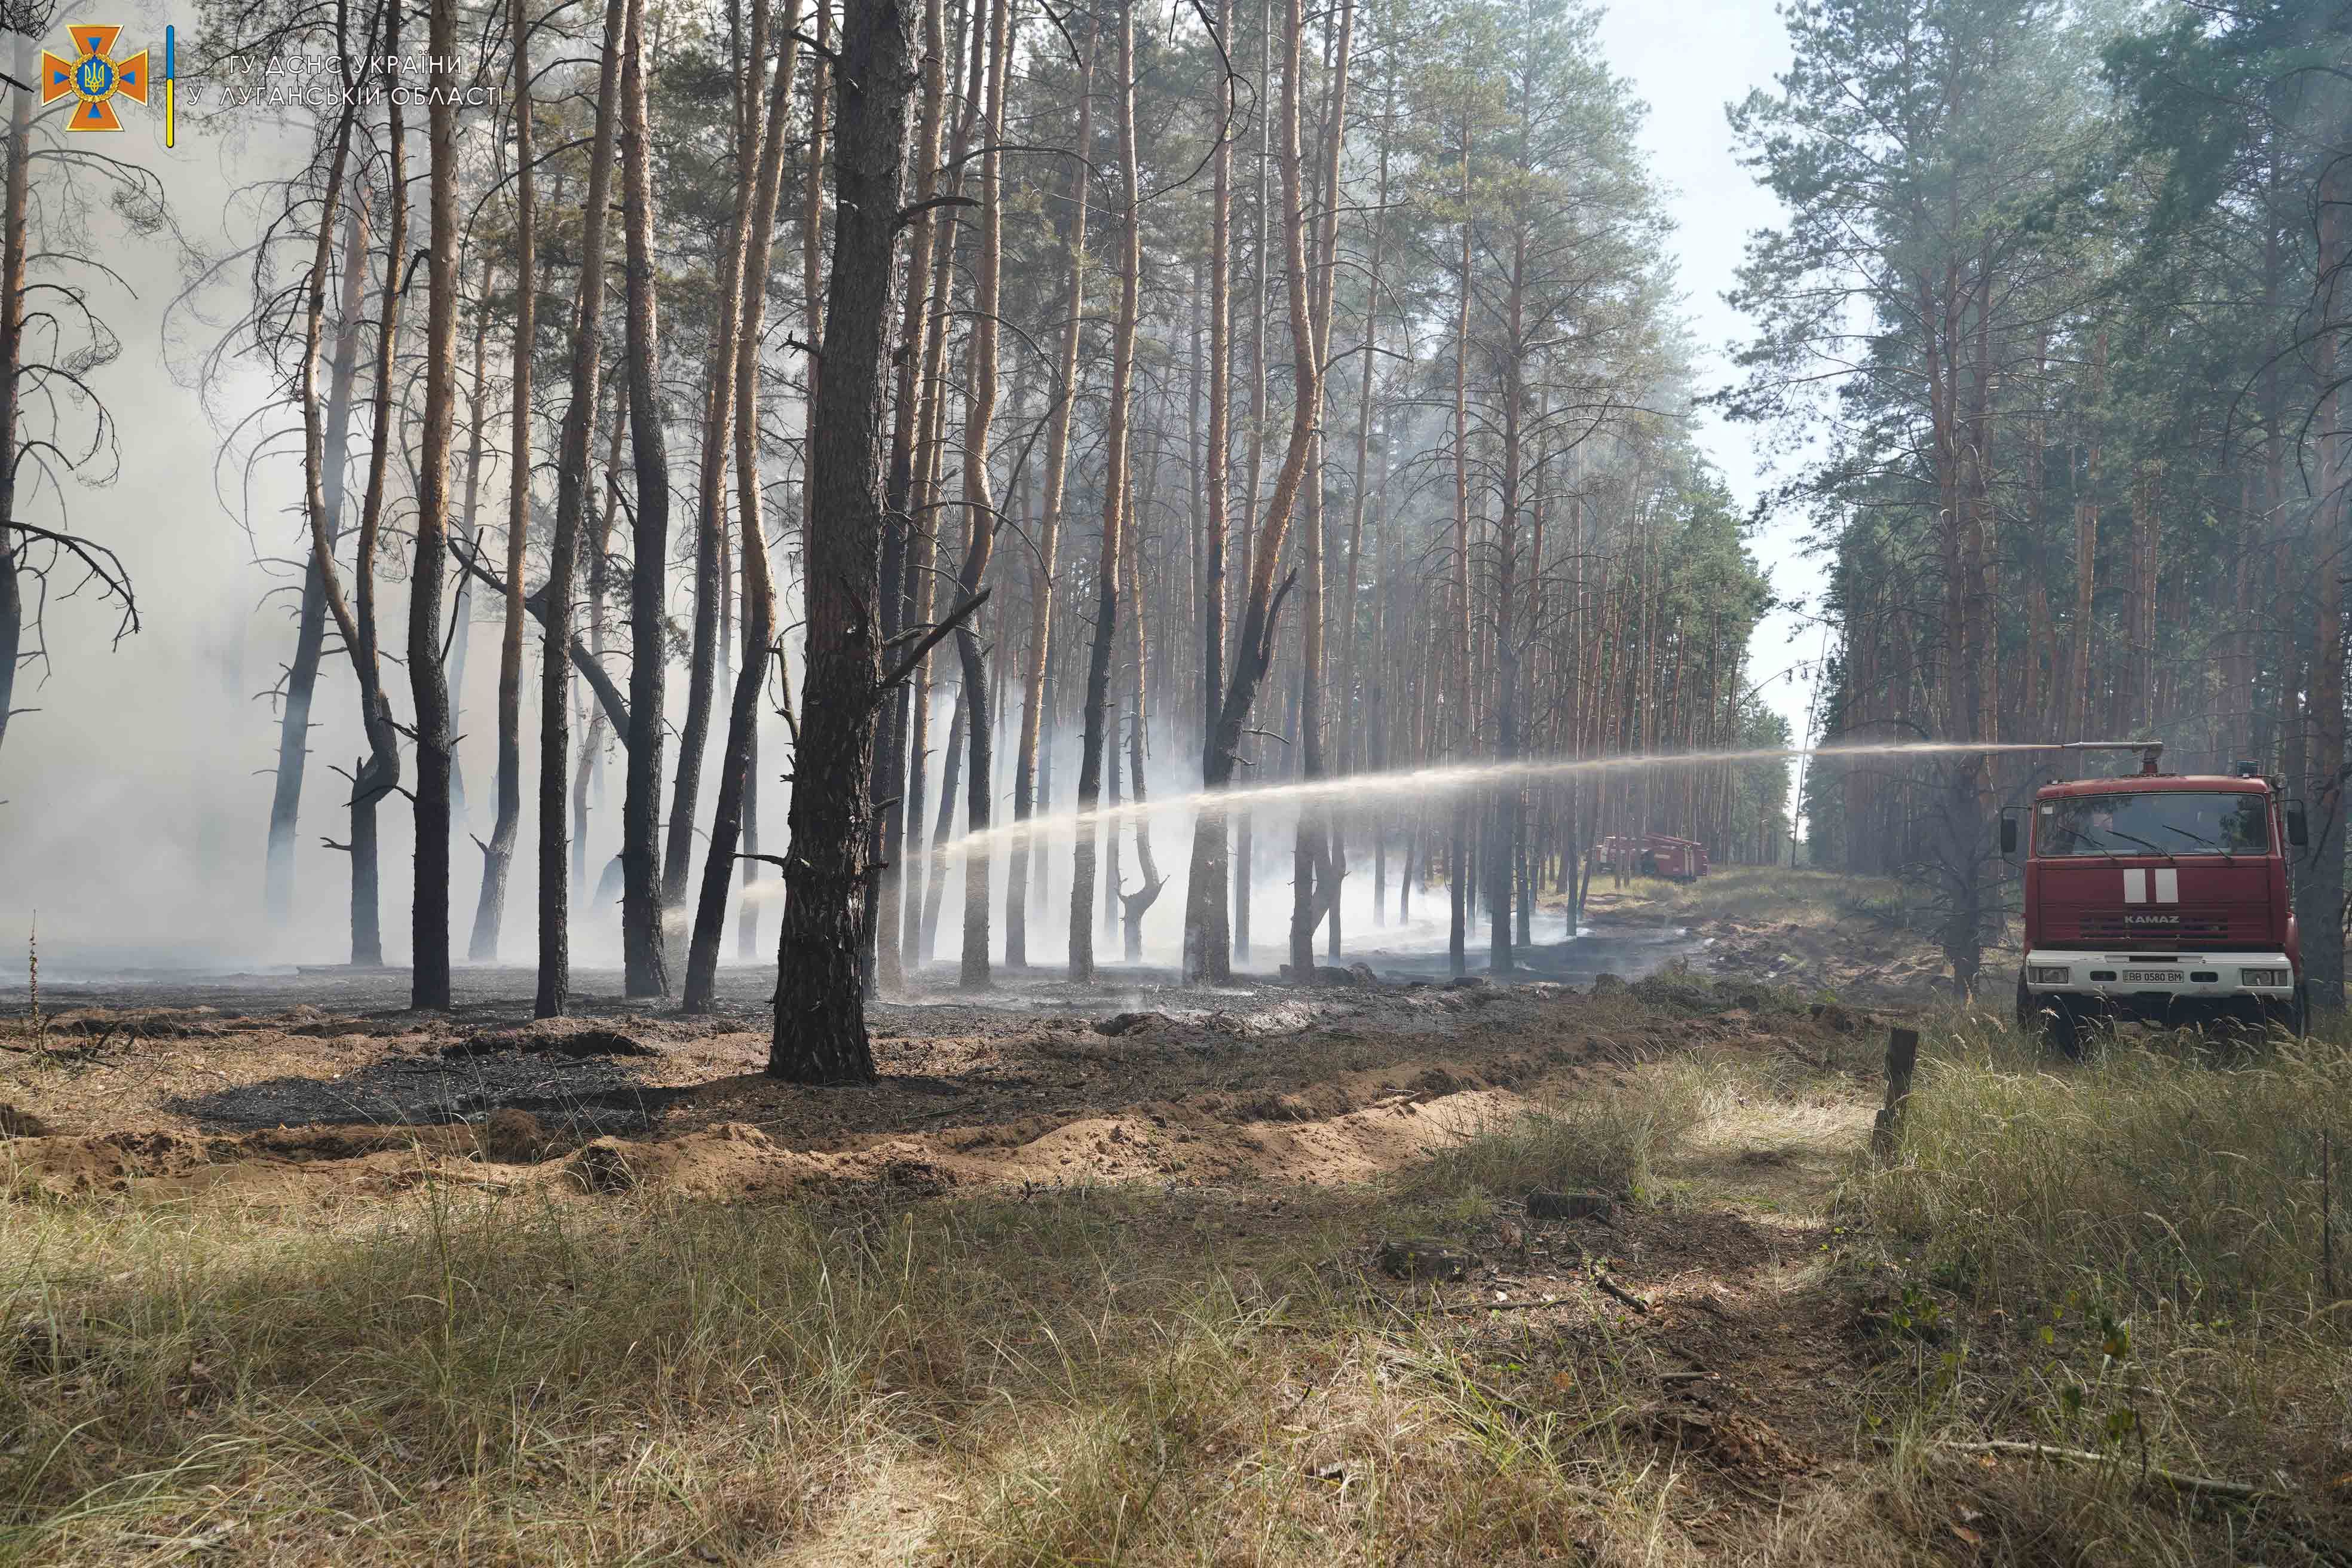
<point x="2165" y="1174"/>
<point x="1610" y="1143"/>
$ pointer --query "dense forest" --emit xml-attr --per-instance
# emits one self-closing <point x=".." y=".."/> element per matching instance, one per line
<point x="2060" y="297"/>
<point x="865" y="432"/>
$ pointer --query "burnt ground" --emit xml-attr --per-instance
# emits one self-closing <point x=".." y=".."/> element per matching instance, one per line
<point x="1036" y="1082"/>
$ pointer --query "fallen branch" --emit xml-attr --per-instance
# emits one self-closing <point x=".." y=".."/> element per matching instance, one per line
<point x="2180" y="1481"/>
<point x="1503" y="1306"/>
<point x="1611" y="1288"/>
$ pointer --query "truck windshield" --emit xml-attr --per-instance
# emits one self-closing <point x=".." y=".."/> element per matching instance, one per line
<point x="2161" y="822"/>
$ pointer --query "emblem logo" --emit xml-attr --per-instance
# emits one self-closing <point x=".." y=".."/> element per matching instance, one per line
<point x="93" y="77"/>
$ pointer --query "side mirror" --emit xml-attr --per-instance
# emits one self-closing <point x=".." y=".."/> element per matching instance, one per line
<point x="2298" y="829"/>
<point x="2008" y="833"/>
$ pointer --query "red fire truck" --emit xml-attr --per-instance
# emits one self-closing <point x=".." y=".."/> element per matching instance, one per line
<point x="2158" y="896"/>
<point x="1653" y="855"/>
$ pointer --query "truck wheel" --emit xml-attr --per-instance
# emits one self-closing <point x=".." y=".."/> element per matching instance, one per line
<point x="2299" y="1017"/>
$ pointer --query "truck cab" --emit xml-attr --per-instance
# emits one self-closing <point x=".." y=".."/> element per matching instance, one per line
<point x="2158" y="896"/>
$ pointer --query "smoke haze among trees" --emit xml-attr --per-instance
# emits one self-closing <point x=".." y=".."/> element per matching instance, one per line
<point x="1230" y="391"/>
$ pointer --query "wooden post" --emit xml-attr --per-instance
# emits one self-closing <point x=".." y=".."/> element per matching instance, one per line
<point x="2327" y="1202"/>
<point x="1901" y="1056"/>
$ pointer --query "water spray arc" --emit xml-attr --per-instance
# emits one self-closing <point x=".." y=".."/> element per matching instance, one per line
<point x="1461" y="777"/>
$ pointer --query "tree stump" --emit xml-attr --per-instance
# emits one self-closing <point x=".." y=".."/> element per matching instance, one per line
<point x="1902" y="1057"/>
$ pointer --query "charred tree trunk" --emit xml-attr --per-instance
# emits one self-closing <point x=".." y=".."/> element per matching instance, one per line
<point x="309" y="636"/>
<point x="820" y="1023"/>
<point x="428" y="679"/>
<point x="979" y="510"/>
<point x="1252" y="654"/>
<point x="710" y="507"/>
<point x="1458" y="851"/>
<point x="378" y="775"/>
<point x="498" y="856"/>
<point x="1115" y="460"/>
<point x="570" y="506"/>
<point x="1135" y="905"/>
<point x="644" y="956"/>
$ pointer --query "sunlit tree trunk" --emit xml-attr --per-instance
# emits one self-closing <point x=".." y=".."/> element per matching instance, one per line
<point x="1049" y="533"/>
<point x="1251" y="653"/>
<point x="731" y="815"/>
<point x="899" y="589"/>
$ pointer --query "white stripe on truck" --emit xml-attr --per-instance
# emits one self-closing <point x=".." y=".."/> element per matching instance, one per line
<point x="2135" y="887"/>
<point x="2168" y="887"/>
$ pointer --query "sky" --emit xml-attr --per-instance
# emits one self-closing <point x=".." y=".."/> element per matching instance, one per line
<point x="1688" y="58"/>
<point x="132" y="804"/>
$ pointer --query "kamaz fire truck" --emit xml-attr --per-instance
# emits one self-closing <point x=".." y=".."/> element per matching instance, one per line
<point x="1653" y="855"/>
<point x="2158" y="896"/>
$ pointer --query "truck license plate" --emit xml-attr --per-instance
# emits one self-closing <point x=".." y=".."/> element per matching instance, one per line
<point x="2152" y="977"/>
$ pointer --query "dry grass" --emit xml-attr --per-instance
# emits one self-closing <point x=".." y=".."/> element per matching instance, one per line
<point x="1612" y="1142"/>
<point x="1186" y="1376"/>
<point x="2124" y="1256"/>
<point x="1077" y="1378"/>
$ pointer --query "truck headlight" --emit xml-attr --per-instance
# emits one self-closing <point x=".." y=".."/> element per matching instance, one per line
<point x="2278" y="978"/>
<point x="2049" y="974"/>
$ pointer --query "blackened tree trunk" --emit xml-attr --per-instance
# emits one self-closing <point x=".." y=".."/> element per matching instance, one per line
<point x="497" y="859"/>
<point x="1458" y="851"/>
<point x="378" y="774"/>
<point x="1115" y="457"/>
<point x="310" y="626"/>
<point x="1315" y="884"/>
<point x="644" y="959"/>
<point x="1134" y="906"/>
<point x="820" y="1022"/>
<point x="1252" y="654"/>
<point x="979" y="510"/>
<point x="570" y="507"/>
